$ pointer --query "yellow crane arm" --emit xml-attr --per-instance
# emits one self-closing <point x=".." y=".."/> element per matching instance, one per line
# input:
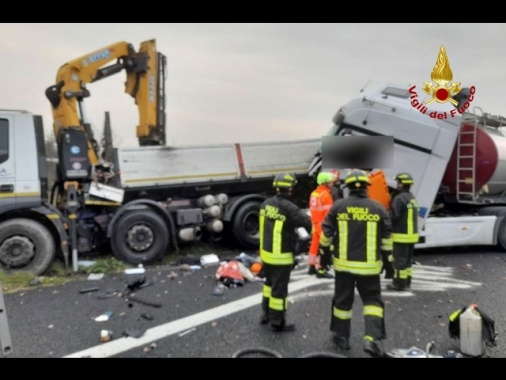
<point x="145" y="72"/>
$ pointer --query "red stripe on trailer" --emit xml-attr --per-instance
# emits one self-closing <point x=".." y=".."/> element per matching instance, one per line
<point x="240" y="160"/>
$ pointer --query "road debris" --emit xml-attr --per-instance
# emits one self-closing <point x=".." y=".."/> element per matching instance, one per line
<point x="134" y="333"/>
<point x="187" y="332"/>
<point x="148" y="317"/>
<point x="104" y="317"/>
<point x="144" y="302"/>
<point x="89" y="290"/>
<point x="95" y="276"/>
<point x="105" y="336"/>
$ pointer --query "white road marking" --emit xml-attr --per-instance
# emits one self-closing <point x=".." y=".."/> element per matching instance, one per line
<point x="425" y="278"/>
<point x="127" y="343"/>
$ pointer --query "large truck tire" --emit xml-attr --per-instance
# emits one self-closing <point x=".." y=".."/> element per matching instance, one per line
<point x="26" y="246"/>
<point x="246" y="229"/>
<point x="140" y="237"/>
<point x="501" y="235"/>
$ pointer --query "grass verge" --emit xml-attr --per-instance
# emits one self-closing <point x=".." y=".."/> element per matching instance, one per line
<point x="57" y="274"/>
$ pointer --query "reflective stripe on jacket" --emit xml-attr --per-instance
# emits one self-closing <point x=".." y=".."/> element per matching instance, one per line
<point x="320" y="202"/>
<point x="279" y="217"/>
<point x="404" y="216"/>
<point x="359" y="228"/>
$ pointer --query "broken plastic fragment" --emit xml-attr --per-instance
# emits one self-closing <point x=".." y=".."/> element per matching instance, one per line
<point x="104" y="317"/>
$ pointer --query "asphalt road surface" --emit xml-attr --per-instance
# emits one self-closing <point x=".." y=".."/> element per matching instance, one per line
<point x="178" y="316"/>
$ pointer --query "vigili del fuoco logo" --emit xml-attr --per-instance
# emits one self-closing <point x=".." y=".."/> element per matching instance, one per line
<point x="441" y="90"/>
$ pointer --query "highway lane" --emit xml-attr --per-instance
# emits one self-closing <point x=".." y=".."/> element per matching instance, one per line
<point x="192" y="322"/>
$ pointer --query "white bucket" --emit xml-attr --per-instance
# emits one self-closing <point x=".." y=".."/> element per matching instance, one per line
<point x="471" y="338"/>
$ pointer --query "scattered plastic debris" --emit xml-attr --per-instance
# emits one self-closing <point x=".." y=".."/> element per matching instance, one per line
<point x="210" y="259"/>
<point x="104" y="317"/>
<point x="95" y="276"/>
<point x="85" y="263"/>
<point x="149" y="348"/>
<point x="135" y="277"/>
<point x="105" y="336"/>
<point x="218" y="289"/>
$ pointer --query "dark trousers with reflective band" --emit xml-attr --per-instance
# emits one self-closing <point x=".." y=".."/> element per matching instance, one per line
<point x="275" y="292"/>
<point x="403" y="270"/>
<point x="369" y="289"/>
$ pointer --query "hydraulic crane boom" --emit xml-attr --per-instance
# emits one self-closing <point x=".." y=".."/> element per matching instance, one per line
<point x="145" y="81"/>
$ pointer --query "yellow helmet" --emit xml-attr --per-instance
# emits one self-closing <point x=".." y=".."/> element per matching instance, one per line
<point x="404" y="178"/>
<point x="356" y="175"/>
<point x="284" y="181"/>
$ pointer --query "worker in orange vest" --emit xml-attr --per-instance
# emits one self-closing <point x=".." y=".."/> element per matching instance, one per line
<point x="320" y="202"/>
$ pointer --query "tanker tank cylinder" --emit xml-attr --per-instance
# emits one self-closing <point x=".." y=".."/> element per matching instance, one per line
<point x="206" y="201"/>
<point x="215" y="226"/>
<point x="221" y="198"/>
<point x="213" y="211"/>
<point x="190" y="233"/>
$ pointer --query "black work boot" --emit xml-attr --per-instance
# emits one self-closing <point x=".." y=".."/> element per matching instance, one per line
<point x="374" y="348"/>
<point x="341" y="342"/>
<point x="311" y="270"/>
<point x="397" y="285"/>
<point x="264" y="319"/>
<point x="285" y="327"/>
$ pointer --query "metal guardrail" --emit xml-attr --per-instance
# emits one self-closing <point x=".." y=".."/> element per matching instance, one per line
<point x="5" y="335"/>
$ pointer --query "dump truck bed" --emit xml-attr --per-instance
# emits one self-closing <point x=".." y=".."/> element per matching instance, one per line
<point x="150" y="167"/>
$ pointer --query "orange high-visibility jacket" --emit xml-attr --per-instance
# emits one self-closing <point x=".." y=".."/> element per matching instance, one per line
<point x="320" y="202"/>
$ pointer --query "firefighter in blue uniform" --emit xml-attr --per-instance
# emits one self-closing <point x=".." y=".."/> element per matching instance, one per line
<point x="404" y="216"/>
<point x="279" y="218"/>
<point x="360" y="230"/>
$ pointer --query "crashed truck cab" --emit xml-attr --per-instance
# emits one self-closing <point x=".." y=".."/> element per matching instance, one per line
<point x="458" y="160"/>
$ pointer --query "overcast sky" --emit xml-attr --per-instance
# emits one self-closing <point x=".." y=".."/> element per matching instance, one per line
<point x="232" y="83"/>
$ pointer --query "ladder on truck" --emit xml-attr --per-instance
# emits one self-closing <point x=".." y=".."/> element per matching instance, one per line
<point x="466" y="163"/>
<point x="466" y="153"/>
<point x="5" y="336"/>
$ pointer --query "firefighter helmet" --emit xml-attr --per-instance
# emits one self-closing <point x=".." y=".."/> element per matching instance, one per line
<point x="356" y="175"/>
<point x="284" y="181"/>
<point x="325" y="178"/>
<point x="404" y="178"/>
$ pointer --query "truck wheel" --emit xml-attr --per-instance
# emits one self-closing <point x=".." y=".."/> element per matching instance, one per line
<point x="140" y="237"/>
<point x="246" y="225"/>
<point x="501" y="234"/>
<point x="26" y="245"/>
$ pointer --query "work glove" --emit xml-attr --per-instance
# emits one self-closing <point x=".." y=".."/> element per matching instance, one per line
<point x="387" y="264"/>
<point x="325" y="257"/>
